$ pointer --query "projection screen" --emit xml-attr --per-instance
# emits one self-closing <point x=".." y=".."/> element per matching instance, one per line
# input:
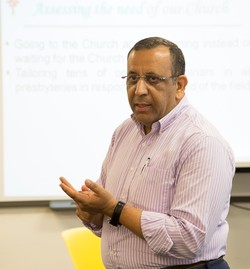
<point x="61" y="90"/>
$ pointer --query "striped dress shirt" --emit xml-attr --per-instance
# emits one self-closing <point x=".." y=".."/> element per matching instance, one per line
<point x="180" y="174"/>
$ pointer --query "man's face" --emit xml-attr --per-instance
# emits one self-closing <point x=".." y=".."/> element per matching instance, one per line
<point x="152" y="99"/>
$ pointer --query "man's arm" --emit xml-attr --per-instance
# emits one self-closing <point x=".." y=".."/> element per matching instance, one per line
<point x="94" y="201"/>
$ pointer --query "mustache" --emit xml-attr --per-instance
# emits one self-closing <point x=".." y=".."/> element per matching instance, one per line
<point x="141" y="101"/>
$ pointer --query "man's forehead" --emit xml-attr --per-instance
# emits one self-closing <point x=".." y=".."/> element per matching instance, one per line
<point x="149" y="57"/>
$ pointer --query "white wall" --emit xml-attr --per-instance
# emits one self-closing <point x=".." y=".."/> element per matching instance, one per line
<point x="30" y="237"/>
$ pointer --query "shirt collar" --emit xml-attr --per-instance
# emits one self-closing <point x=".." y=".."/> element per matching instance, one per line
<point x="161" y="125"/>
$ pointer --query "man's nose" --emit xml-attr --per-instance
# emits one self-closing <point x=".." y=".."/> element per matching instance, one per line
<point x="141" y="87"/>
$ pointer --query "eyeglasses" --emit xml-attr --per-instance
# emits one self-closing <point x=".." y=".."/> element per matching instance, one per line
<point x="150" y="79"/>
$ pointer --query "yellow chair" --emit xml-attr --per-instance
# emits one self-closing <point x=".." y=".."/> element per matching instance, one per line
<point x="84" y="248"/>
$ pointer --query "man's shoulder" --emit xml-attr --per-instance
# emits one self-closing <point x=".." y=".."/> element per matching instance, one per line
<point x="125" y="126"/>
<point x="124" y="131"/>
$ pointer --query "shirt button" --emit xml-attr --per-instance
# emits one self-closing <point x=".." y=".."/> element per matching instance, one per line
<point x="123" y="197"/>
<point x="113" y="253"/>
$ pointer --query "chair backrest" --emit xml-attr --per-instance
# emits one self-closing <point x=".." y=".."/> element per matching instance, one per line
<point x="84" y="248"/>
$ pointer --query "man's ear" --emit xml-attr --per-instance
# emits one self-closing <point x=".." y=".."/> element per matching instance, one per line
<point x="181" y="82"/>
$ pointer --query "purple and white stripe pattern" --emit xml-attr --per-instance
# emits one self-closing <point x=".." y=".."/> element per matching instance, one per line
<point x="180" y="174"/>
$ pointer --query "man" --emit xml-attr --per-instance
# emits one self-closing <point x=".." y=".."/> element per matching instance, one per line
<point x="163" y="195"/>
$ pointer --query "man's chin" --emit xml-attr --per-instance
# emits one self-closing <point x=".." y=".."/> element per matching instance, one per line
<point x="143" y="119"/>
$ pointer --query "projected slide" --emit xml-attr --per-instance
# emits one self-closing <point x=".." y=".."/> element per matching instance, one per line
<point x="62" y="94"/>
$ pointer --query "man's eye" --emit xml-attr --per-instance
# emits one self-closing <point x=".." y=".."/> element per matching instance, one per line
<point x="132" y="78"/>
<point x="152" y="79"/>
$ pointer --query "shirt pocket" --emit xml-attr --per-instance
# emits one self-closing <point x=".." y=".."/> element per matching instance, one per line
<point x="153" y="189"/>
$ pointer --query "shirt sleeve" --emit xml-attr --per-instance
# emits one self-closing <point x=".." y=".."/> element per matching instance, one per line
<point x="97" y="230"/>
<point x="201" y="202"/>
